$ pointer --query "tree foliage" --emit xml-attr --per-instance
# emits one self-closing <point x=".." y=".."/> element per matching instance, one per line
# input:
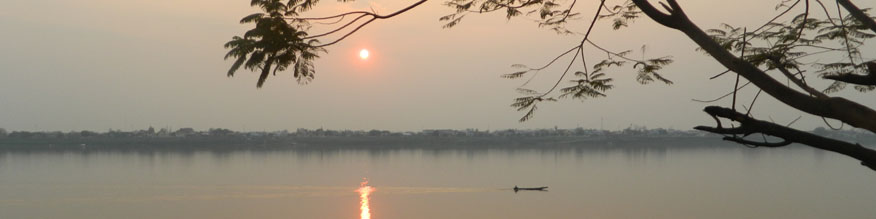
<point x="797" y="42"/>
<point x="274" y="44"/>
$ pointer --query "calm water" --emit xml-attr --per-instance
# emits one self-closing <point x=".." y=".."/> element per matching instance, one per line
<point x="718" y="182"/>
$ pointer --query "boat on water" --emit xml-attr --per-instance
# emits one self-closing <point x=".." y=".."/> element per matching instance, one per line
<point x="544" y="188"/>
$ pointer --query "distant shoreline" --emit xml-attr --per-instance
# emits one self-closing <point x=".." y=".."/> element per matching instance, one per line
<point x="187" y="138"/>
<point x="344" y="142"/>
<point x="366" y="142"/>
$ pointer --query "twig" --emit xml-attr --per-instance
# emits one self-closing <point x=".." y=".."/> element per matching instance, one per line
<point x="374" y="16"/>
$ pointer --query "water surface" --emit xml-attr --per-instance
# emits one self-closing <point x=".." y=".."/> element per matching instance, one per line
<point x="725" y="181"/>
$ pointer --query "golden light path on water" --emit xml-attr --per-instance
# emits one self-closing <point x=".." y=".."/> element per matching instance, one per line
<point x="365" y="191"/>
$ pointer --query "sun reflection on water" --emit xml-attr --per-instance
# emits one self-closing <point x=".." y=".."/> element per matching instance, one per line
<point x="364" y="193"/>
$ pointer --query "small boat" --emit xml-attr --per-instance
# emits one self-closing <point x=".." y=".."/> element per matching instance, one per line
<point x="530" y="188"/>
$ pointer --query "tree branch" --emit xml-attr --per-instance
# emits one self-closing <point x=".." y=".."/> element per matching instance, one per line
<point x="857" y="13"/>
<point x="838" y="108"/>
<point x="868" y="80"/>
<point x="360" y="26"/>
<point x="333" y="16"/>
<point x="800" y="83"/>
<point x="750" y="125"/>
<point x="336" y="29"/>
<point x="665" y="19"/>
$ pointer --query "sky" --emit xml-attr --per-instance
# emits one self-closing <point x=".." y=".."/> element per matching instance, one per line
<point x="129" y="65"/>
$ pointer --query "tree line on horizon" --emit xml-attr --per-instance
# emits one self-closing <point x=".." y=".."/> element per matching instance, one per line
<point x="302" y="132"/>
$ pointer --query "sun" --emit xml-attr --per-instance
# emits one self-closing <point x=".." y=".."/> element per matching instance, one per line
<point x="363" y="54"/>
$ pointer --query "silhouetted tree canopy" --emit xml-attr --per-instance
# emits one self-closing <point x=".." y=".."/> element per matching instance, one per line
<point x="274" y="43"/>
<point x="800" y="31"/>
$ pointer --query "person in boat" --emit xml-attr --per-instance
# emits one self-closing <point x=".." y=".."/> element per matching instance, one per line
<point x="515" y="188"/>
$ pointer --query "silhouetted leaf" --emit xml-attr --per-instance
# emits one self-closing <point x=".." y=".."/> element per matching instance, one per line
<point x="835" y="87"/>
<point x="526" y="91"/>
<point x="236" y="65"/>
<point x="515" y="74"/>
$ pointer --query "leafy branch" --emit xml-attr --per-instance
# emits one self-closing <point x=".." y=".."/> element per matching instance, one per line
<point x="280" y="38"/>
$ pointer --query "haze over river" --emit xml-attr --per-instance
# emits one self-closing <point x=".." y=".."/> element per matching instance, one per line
<point x="719" y="181"/>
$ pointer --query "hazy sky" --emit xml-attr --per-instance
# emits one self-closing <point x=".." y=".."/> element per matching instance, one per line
<point x="102" y="64"/>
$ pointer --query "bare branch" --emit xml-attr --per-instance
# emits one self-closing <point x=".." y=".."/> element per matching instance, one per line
<point x="564" y="74"/>
<point x="744" y="141"/>
<point x="800" y="83"/>
<point x="331" y="17"/>
<point x="826" y="13"/>
<point x="614" y="53"/>
<point x="336" y="29"/>
<point x="348" y="34"/>
<point x="664" y="19"/>
<point x="750" y="125"/>
<point x="858" y="14"/>
<point x="723" y="96"/>
<point x="363" y="14"/>
<point x="720" y="74"/>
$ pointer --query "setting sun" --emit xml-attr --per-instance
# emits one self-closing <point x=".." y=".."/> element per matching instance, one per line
<point x="364" y="54"/>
